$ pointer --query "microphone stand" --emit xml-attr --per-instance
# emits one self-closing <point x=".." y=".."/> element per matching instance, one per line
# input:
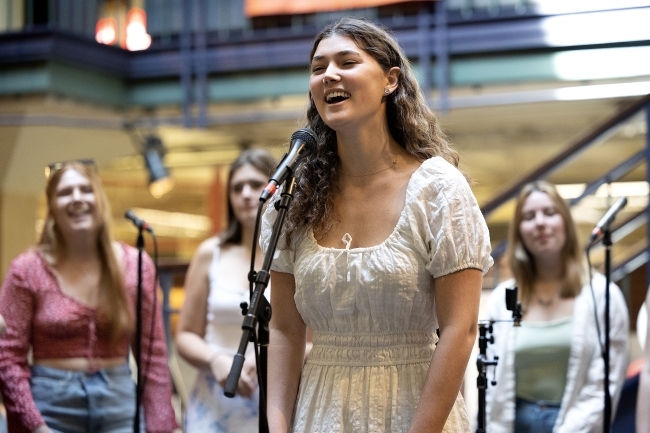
<point x="607" y="242"/>
<point x="260" y="312"/>
<point x="482" y="363"/>
<point x="138" y="333"/>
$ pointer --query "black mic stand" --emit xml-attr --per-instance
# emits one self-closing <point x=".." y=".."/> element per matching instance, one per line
<point x="483" y="362"/>
<point x="607" y="242"/>
<point x="260" y="312"/>
<point x="138" y="334"/>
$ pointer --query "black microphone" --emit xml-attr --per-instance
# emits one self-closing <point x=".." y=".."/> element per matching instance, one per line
<point x="303" y="142"/>
<point x="606" y="220"/>
<point x="137" y="221"/>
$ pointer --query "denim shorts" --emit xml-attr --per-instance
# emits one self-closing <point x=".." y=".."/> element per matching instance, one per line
<point x="535" y="416"/>
<point x="80" y="402"/>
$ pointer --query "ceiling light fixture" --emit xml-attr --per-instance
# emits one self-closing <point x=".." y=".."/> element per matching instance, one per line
<point x="160" y="182"/>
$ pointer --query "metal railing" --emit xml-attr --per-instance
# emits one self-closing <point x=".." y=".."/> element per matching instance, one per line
<point x="599" y="134"/>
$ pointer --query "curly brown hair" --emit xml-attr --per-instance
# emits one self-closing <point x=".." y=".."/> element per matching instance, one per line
<point x="411" y="123"/>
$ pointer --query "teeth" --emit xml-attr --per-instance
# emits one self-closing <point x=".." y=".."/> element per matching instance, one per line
<point x="77" y="212"/>
<point x="337" y="94"/>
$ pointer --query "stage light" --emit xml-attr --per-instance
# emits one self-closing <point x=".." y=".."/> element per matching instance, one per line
<point x="160" y="182"/>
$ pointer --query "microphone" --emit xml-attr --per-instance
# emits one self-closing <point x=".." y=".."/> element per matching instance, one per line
<point x="140" y="224"/>
<point x="303" y="142"/>
<point x="606" y="220"/>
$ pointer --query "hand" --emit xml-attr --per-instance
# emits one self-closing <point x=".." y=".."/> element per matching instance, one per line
<point x="42" y="429"/>
<point x="221" y="365"/>
<point x="250" y="367"/>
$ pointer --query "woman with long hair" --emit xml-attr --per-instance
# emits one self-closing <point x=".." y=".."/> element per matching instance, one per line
<point x="209" y="329"/>
<point x="384" y="244"/>
<point x="550" y="370"/>
<point x="71" y="300"/>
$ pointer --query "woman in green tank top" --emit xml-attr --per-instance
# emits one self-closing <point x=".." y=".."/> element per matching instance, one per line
<point x="549" y="373"/>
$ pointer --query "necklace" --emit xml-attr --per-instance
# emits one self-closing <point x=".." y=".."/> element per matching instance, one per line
<point x="369" y="174"/>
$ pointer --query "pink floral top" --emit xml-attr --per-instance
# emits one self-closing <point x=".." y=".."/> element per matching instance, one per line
<point x="54" y="325"/>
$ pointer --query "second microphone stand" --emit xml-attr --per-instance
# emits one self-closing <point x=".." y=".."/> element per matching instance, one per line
<point x="259" y="312"/>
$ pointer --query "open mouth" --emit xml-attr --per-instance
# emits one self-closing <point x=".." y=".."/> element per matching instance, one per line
<point x="335" y="97"/>
<point x="78" y="213"/>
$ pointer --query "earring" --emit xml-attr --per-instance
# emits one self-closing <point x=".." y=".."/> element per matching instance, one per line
<point x="387" y="91"/>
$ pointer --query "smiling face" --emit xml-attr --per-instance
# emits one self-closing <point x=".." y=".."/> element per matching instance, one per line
<point x="347" y="85"/>
<point x="74" y="205"/>
<point x="246" y="185"/>
<point x="542" y="228"/>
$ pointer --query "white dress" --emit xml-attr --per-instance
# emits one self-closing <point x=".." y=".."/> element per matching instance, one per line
<point x="372" y="309"/>
<point x="209" y="410"/>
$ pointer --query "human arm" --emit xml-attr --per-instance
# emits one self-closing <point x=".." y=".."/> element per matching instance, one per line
<point x="190" y="337"/>
<point x="17" y="305"/>
<point x="643" y="397"/>
<point x="457" y="298"/>
<point x="286" y="353"/>
<point x="156" y="397"/>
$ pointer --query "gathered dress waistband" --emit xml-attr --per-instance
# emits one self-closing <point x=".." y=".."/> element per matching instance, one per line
<point x="371" y="349"/>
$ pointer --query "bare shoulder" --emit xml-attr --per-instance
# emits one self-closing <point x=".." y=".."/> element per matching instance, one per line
<point x="206" y="248"/>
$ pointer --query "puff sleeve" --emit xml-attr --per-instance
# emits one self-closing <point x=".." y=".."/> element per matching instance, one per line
<point x="447" y="225"/>
<point x="283" y="259"/>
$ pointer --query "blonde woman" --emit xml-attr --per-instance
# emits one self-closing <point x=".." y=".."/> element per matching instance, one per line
<point x="71" y="300"/>
<point x="550" y="370"/>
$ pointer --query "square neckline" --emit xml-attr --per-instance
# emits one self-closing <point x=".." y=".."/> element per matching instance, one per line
<point x="393" y="233"/>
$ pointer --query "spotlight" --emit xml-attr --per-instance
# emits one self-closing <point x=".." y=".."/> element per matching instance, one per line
<point x="160" y="183"/>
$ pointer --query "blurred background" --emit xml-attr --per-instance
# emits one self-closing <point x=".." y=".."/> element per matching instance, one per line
<point x="164" y="94"/>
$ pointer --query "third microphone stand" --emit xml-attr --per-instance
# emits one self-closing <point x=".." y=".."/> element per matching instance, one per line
<point x="607" y="243"/>
<point x="259" y="312"/>
<point x="486" y="328"/>
<point x="482" y="363"/>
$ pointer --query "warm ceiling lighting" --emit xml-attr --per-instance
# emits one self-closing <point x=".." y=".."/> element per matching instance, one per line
<point x="106" y="31"/>
<point x="614" y="189"/>
<point x="136" y="30"/>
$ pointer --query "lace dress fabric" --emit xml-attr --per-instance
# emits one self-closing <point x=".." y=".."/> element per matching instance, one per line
<point x="372" y="309"/>
<point x="209" y="410"/>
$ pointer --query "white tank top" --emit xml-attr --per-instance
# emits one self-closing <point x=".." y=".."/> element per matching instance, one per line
<point x="224" y="317"/>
